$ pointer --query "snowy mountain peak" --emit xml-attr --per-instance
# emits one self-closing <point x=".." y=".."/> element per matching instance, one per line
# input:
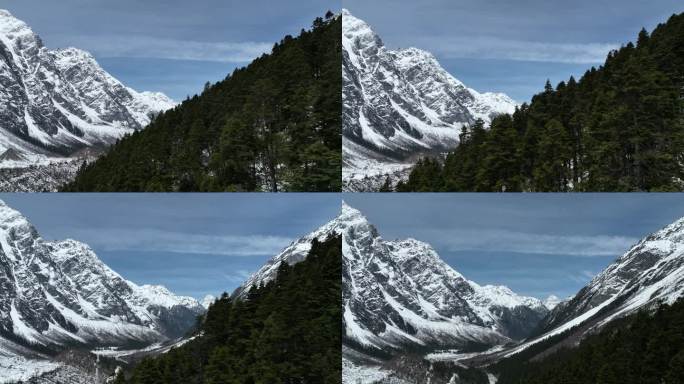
<point x="10" y="24"/>
<point x="552" y="301"/>
<point x="350" y="215"/>
<point x="401" y="293"/>
<point x="357" y="31"/>
<point x="57" y="103"/>
<point x="297" y="251"/>
<point x="208" y="300"/>
<point x="56" y="293"/>
<point x="160" y="295"/>
<point x="13" y="221"/>
<point x="399" y="105"/>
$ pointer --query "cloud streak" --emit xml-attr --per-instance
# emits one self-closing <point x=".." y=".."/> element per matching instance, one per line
<point x="152" y="240"/>
<point x="162" y="48"/>
<point x="532" y="243"/>
<point x="504" y="49"/>
<point x="238" y="277"/>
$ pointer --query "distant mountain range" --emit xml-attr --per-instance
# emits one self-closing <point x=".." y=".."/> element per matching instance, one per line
<point x="60" y="105"/>
<point x="399" y="105"/>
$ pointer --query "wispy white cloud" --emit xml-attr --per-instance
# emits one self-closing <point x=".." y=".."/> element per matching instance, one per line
<point x="503" y="49"/>
<point x="583" y="277"/>
<point x="238" y="276"/>
<point x="162" y="48"/>
<point x="153" y="240"/>
<point x="533" y="243"/>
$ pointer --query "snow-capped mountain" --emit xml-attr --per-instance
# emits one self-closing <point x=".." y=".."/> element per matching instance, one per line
<point x="399" y="104"/>
<point x="56" y="294"/>
<point x="552" y="302"/>
<point x="208" y="300"/>
<point x="399" y="294"/>
<point x="55" y="103"/>
<point x="650" y="273"/>
<point x="292" y="254"/>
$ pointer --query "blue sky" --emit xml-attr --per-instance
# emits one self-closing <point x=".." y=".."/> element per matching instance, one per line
<point x="174" y="46"/>
<point x="513" y="46"/>
<point x="194" y="244"/>
<point x="536" y="244"/>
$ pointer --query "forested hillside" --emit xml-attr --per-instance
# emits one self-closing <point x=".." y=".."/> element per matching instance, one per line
<point x="274" y="125"/>
<point x="641" y="349"/>
<point x="619" y="128"/>
<point x="287" y="331"/>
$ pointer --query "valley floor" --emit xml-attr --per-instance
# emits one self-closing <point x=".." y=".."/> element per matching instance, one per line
<point x="38" y="178"/>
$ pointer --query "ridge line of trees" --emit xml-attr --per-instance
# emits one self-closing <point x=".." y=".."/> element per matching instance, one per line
<point x="274" y="125"/>
<point x="619" y="128"/>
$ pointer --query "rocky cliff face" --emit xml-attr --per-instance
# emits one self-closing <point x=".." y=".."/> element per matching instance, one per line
<point x="55" y="103"/>
<point x="398" y="105"/>
<point x="400" y="295"/>
<point x="58" y="293"/>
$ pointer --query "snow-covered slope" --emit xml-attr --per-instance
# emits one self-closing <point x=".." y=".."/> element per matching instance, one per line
<point x="650" y="273"/>
<point x="292" y="254"/>
<point x="58" y="293"/>
<point x="208" y="300"/>
<point x="552" y="302"/>
<point x="54" y="103"/>
<point x="20" y="363"/>
<point x="399" y="294"/>
<point x="400" y="104"/>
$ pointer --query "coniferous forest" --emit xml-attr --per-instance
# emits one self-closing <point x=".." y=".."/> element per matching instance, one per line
<point x="619" y="128"/>
<point x="644" y="348"/>
<point x="274" y="125"/>
<point x="287" y="331"/>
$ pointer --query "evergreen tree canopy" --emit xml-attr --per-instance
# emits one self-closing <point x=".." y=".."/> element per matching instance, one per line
<point x="274" y="125"/>
<point x="620" y="128"/>
<point x="645" y="348"/>
<point x="287" y="331"/>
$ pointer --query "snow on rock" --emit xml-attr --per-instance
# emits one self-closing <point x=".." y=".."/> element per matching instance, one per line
<point x="55" y="103"/>
<point x="55" y="293"/>
<point x="551" y="302"/>
<point x="18" y="363"/>
<point x="400" y="293"/>
<point x="353" y="373"/>
<point x="292" y="254"/>
<point x="650" y="273"/>
<point x="400" y="104"/>
<point x="208" y="300"/>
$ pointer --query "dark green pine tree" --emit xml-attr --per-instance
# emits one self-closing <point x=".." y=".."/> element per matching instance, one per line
<point x="271" y="126"/>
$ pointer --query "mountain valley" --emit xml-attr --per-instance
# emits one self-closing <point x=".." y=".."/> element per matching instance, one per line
<point x="411" y="318"/>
